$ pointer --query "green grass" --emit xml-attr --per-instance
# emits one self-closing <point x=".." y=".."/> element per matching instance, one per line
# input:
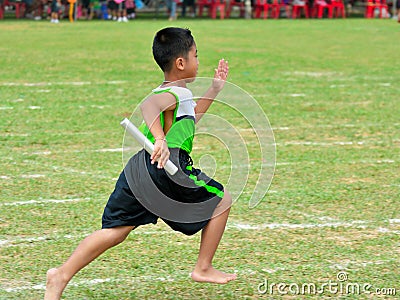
<point x="330" y="90"/>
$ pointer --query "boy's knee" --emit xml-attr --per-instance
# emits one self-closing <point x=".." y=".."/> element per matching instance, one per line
<point x="117" y="235"/>
<point x="226" y="200"/>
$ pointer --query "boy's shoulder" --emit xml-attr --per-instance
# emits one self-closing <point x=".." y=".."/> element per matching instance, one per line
<point x="178" y="92"/>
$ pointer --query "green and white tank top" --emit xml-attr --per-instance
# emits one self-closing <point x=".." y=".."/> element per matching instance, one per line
<point x="182" y="131"/>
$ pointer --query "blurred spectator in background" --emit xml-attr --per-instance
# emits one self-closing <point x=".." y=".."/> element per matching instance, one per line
<point x="192" y="8"/>
<point x="130" y="9"/>
<point x="55" y="9"/>
<point x="87" y="9"/>
<point x="121" y="11"/>
<point x="112" y="10"/>
<point x="171" y="5"/>
<point x="398" y="10"/>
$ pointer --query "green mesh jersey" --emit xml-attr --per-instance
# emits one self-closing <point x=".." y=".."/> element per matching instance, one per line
<point x="181" y="133"/>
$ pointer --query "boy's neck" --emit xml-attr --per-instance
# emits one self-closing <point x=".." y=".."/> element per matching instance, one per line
<point x="170" y="82"/>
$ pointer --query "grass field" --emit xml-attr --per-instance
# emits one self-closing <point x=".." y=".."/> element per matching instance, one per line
<point x="330" y="90"/>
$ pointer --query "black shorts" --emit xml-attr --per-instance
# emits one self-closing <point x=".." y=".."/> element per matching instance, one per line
<point x="55" y="8"/>
<point x="112" y="5"/>
<point x="144" y="193"/>
<point x="86" y="4"/>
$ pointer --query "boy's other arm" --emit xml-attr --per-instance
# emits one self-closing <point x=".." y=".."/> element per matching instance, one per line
<point x="151" y="109"/>
<point x="220" y="75"/>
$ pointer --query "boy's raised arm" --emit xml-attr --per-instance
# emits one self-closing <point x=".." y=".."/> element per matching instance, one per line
<point x="151" y="109"/>
<point x="220" y="76"/>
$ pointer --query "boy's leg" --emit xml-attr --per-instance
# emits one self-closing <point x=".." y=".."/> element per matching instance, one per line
<point x="210" y="238"/>
<point x="88" y="250"/>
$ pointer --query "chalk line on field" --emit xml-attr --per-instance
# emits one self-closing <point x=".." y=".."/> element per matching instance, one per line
<point x="43" y="201"/>
<point x="110" y="150"/>
<point x="5" y="134"/>
<point x="32" y="176"/>
<point x="94" y="281"/>
<point x="73" y="83"/>
<point x="285" y="143"/>
<point x="29" y="241"/>
<point x="387" y="230"/>
<point x="314" y="74"/>
<point x="243" y="226"/>
<point x="350" y="264"/>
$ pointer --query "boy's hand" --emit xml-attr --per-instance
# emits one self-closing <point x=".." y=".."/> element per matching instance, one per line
<point x="160" y="153"/>
<point x="221" y="73"/>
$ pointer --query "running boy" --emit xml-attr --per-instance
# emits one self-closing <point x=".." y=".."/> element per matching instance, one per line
<point x="169" y="122"/>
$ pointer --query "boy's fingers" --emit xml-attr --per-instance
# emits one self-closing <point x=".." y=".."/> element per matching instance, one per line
<point x="163" y="159"/>
<point x="155" y="155"/>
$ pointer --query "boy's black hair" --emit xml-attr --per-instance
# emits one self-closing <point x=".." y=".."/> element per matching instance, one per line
<point x="170" y="43"/>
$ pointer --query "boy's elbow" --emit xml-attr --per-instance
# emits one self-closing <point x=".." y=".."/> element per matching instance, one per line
<point x="144" y="106"/>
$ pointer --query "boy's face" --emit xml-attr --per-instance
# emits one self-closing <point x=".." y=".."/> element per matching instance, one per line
<point x="191" y="63"/>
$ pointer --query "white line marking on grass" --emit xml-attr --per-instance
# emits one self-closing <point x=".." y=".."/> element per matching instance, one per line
<point x="6" y="107"/>
<point x="73" y="83"/>
<point x="346" y="265"/>
<point x="91" y="282"/>
<point x="28" y="241"/>
<point x="337" y="86"/>
<point x="297" y="95"/>
<point x="43" y="201"/>
<point x="13" y="134"/>
<point x="242" y="226"/>
<point x="110" y="150"/>
<point x="9" y="242"/>
<point x="271" y="271"/>
<point x="33" y="176"/>
<point x="386" y="230"/>
<point x="280" y="128"/>
<point x="34" y="107"/>
<point x="41" y="152"/>
<point x="314" y="74"/>
<point x="385" y="161"/>
<point x="327" y="144"/>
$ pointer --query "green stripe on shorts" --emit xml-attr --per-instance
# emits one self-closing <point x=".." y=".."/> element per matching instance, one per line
<point x="209" y="188"/>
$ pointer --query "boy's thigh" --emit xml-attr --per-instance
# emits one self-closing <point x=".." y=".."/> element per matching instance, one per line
<point x="187" y="228"/>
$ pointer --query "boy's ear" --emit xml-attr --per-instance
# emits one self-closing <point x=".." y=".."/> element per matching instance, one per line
<point x="180" y="63"/>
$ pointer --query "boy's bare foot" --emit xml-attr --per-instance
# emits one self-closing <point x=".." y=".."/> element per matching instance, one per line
<point x="55" y="285"/>
<point x="212" y="275"/>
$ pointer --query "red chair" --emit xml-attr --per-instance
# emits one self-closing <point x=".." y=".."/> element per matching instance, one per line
<point x="218" y="5"/>
<point x="203" y="4"/>
<point x="370" y="8"/>
<point x="19" y="7"/>
<point x="212" y="6"/>
<point x="338" y="8"/>
<point x="377" y="4"/>
<point x="239" y="4"/>
<point x="1" y="11"/>
<point x="261" y="6"/>
<point x="381" y="5"/>
<point x="276" y="6"/>
<point x="298" y="6"/>
<point x="319" y="7"/>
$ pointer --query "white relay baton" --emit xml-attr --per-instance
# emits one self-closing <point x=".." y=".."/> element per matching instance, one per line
<point x="145" y="142"/>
